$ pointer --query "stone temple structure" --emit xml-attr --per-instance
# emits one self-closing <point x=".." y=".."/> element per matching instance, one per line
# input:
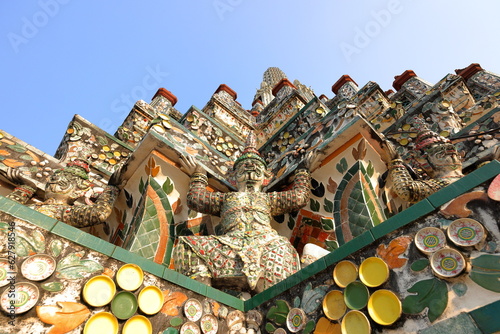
<point x="395" y="228"/>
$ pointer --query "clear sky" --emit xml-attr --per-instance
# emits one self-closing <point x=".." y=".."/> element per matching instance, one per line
<point x="96" y="58"/>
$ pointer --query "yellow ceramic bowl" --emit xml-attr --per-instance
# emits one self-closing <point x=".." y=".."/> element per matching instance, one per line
<point x="334" y="305"/>
<point x="384" y="307"/>
<point x="103" y="323"/>
<point x="138" y="324"/>
<point x="344" y="273"/>
<point x="355" y="322"/>
<point x="99" y="290"/>
<point x="129" y="277"/>
<point x="150" y="300"/>
<point x="325" y="326"/>
<point x="373" y="272"/>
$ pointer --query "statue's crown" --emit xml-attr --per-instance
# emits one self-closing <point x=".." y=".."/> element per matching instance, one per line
<point x="426" y="138"/>
<point x="78" y="167"/>
<point x="250" y="151"/>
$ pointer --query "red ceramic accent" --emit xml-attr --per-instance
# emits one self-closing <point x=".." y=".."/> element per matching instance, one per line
<point x="166" y="94"/>
<point x="256" y="101"/>
<point x="281" y="84"/>
<point x="340" y="82"/>
<point x="399" y="80"/>
<point x="458" y="206"/>
<point x="494" y="189"/>
<point x="226" y="88"/>
<point x="469" y="71"/>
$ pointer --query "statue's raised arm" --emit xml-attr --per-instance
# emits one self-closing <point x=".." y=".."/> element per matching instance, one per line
<point x="437" y="157"/>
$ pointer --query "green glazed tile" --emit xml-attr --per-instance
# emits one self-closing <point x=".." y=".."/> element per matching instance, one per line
<point x="66" y="231"/>
<point x="192" y="285"/>
<point x="126" y="256"/>
<point x="335" y="256"/>
<point x="7" y="205"/>
<point x="486" y="172"/>
<point x="171" y="275"/>
<point x="262" y="297"/>
<point x="486" y="317"/>
<point x="95" y="243"/>
<point x="153" y="267"/>
<point x="311" y="270"/>
<point x="462" y="323"/>
<point x="444" y="195"/>
<point x="225" y="298"/>
<point x="403" y="218"/>
<point x="25" y="213"/>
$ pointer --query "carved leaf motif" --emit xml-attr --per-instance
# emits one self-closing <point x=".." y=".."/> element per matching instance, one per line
<point x="173" y="300"/>
<point x="431" y="294"/>
<point x="390" y="254"/>
<point x="291" y="222"/>
<point x="17" y="148"/>
<point x="168" y="186"/>
<point x="342" y="166"/>
<point x="312" y="298"/>
<point x="420" y="265"/>
<point x="177" y="206"/>
<point x="317" y="188"/>
<point x="141" y="185"/>
<point x="279" y="312"/>
<point x="332" y="186"/>
<point x="52" y="286"/>
<point x="29" y="244"/>
<point x="328" y="206"/>
<point x="12" y="163"/>
<point x="73" y="267"/>
<point x="56" y="246"/>
<point x="370" y="169"/>
<point x="327" y="224"/>
<point x="315" y="206"/>
<point x="128" y="198"/>
<point x="152" y="168"/>
<point x="308" y="328"/>
<point x="360" y="152"/>
<point x="65" y="317"/>
<point x="486" y="271"/>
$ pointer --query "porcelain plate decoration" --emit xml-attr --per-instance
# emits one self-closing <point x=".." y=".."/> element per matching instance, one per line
<point x="430" y="239"/>
<point x="295" y="320"/>
<point x="193" y="309"/>
<point x="447" y="262"/>
<point x="209" y="324"/>
<point x="25" y="297"/>
<point x="466" y="232"/>
<point x="7" y="272"/>
<point x="190" y="328"/>
<point x="38" y="267"/>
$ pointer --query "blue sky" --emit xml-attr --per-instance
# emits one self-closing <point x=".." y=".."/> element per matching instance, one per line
<point x="96" y="58"/>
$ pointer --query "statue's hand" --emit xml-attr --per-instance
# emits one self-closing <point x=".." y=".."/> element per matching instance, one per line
<point x="15" y="176"/>
<point x="389" y="153"/>
<point x="189" y="165"/>
<point x="313" y="159"/>
<point x="116" y="178"/>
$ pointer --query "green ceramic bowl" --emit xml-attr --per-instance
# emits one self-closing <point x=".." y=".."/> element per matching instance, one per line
<point x="356" y="295"/>
<point x="124" y="305"/>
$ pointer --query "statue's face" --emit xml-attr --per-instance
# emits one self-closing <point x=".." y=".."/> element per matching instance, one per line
<point x="250" y="175"/>
<point x="64" y="187"/>
<point x="444" y="156"/>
